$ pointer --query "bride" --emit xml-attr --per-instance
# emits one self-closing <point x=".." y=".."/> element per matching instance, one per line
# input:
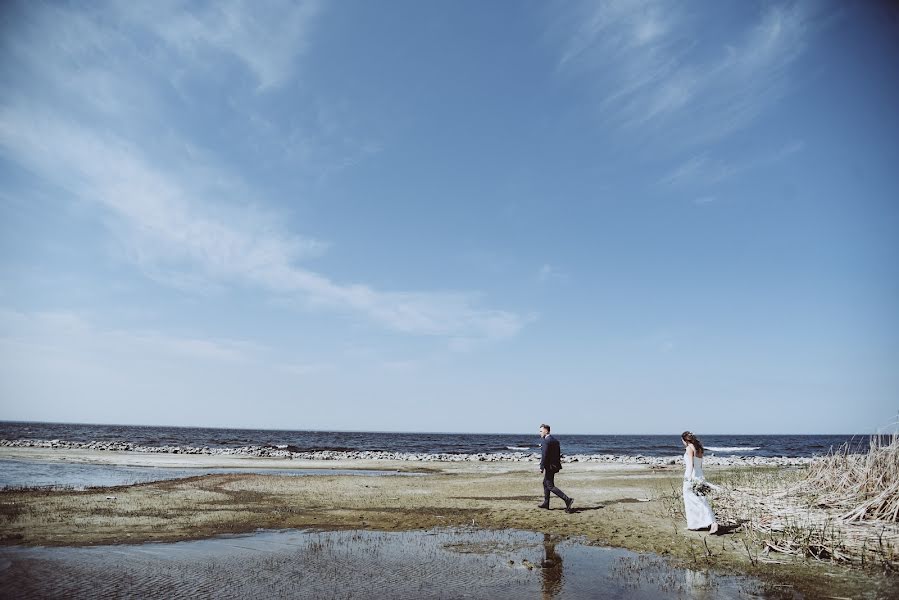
<point x="696" y="507"/>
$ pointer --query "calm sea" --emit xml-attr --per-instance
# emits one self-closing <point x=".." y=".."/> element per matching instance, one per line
<point x="430" y="443"/>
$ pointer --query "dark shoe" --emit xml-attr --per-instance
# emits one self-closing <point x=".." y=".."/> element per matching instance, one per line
<point x="568" y="504"/>
<point x="544" y="505"/>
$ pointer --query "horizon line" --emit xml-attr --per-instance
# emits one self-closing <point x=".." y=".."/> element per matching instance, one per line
<point x="327" y="430"/>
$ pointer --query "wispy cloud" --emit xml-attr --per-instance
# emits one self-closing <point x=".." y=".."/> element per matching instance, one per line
<point x="90" y="117"/>
<point x="705" y="172"/>
<point x="147" y="70"/>
<point x="659" y="64"/>
<point x="265" y="40"/>
<point x="700" y="168"/>
<point x="306" y="368"/>
<point x="616" y="26"/>
<point x="548" y="272"/>
<point x="71" y="366"/>
<point x="169" y="224"/>
<point x="64" y="332"/>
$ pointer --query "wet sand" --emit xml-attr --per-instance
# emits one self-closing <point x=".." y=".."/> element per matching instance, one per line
<point x="497" y="496"/>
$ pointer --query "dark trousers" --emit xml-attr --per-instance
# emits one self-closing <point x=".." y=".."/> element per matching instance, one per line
<point x="549" y="485"/>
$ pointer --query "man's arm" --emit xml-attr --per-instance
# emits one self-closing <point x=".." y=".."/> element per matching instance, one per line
<point x="555" y="454"/>
<point x="542" y="454"/>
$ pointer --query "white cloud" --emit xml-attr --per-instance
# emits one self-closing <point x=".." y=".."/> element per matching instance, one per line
<point x="266" y="38"/>
<point x="619" y="27"/>
<point x="68" y="366"/>
<point x="169" y="224"/>
<point x="71" y="334"/>
<point x="548" y="272"/>
<point x="704" y="171"/>
<point x="146" y="70"/>
<point x="700" y="169"/>
<point x="651" y="62"/>
<point x="88" y="119"/>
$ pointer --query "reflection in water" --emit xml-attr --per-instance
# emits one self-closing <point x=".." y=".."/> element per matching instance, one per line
<point x="438" y="563"/>
<point x="699" y="584"/>
<point x="552" y="568"/>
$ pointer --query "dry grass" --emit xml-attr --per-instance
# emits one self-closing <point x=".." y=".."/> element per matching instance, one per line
<point x="843" y="508"/>
<point x="862" y="487"/>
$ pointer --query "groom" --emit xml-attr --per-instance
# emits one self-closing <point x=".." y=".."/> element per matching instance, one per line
<point x="550" y="464"/>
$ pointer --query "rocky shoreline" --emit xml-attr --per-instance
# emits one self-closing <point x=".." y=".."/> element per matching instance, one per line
<point x="287" y="453"/>
<point x="500" y="493"/>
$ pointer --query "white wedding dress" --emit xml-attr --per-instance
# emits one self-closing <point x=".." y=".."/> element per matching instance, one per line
<point x="699" y="513"/>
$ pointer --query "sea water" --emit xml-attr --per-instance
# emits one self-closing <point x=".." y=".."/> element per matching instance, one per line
<point x="431" y="443"/>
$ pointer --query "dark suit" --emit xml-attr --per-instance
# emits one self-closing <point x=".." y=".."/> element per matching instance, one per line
<point x="551" y="568"/>
<point x="550" y="464"/>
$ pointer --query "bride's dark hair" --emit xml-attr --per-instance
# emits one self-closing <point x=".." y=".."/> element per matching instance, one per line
<point x="688" y="437"/>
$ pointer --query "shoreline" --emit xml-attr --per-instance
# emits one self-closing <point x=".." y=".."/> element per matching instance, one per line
<point x="616" y="505"/>
<point x="274" y="452"/>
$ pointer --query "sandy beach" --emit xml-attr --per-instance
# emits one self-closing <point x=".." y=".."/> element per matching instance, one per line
<point x="615" y="505"/>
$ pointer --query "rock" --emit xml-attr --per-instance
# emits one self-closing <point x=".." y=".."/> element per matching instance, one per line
<point x="269" y="451"/>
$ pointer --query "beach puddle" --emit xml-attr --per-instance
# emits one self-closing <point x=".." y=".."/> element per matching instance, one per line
<point x="20" y="473"/>
<point x="445" y="563"/>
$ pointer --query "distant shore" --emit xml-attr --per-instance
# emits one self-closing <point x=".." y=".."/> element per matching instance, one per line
<point x="258" y="451"/>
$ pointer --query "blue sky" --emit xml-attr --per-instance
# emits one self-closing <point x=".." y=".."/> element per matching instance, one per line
<point x="616" y="217"/>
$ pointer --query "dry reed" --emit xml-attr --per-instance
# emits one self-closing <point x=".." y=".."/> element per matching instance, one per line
<point x="844" y="508"/>
<point x="863" y="487"/>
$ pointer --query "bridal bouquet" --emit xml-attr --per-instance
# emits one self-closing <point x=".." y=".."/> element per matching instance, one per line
<point x="700" y="487"/>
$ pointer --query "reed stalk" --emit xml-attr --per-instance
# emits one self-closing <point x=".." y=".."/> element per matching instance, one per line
<point x="843" y="508"/>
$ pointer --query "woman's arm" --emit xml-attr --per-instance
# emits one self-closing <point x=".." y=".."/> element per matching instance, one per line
<point x="688" y="468"/>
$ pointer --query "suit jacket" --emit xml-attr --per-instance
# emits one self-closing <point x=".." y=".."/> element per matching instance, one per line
<point x="550" y="454"/>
